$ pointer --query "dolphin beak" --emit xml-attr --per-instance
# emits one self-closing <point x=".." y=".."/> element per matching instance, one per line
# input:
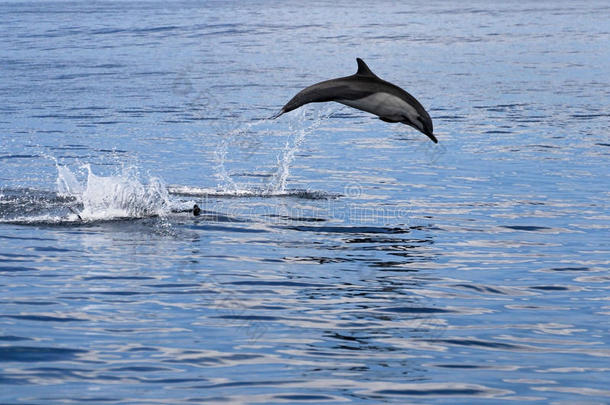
<point x="427" y="127"/>
<point x="431" y="136"/>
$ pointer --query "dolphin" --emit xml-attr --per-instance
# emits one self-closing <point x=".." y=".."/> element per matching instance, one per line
<point x="367" y="92"/>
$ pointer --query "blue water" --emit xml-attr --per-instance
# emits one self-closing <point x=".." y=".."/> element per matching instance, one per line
<point x="337" y="258"/>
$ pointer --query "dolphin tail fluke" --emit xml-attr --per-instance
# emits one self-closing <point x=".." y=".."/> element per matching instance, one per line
<point x="274" y="116"/>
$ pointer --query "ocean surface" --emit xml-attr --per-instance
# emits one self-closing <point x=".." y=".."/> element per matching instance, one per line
<point x="337" y="258"/>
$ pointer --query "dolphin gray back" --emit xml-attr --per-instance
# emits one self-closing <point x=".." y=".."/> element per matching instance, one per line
<point x="359" y="85"/>
<point x="343" y="88"/>
<point x="322" y="92"/>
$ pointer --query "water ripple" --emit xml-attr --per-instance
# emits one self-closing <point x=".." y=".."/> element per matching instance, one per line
<point x="336" y="258"/>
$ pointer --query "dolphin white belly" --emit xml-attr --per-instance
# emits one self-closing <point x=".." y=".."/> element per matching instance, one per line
<point x="384" y="105"/>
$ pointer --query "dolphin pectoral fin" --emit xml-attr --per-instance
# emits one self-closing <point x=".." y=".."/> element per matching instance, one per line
<point x="385" y="119"/>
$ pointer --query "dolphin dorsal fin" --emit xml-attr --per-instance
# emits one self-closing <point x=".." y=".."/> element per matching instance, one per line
<point x="363" y="69"/>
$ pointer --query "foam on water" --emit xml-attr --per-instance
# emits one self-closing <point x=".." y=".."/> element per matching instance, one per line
<point x="26" y="205"/>
<point x="192" y="191"/>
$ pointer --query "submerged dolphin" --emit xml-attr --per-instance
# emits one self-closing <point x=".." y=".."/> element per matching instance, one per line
<point x="367" y="92"/>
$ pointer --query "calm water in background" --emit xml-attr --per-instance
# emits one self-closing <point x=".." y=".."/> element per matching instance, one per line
<point x="338" y="258"/>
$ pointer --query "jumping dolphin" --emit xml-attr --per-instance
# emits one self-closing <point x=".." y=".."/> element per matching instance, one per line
<point x="367" y="92"/>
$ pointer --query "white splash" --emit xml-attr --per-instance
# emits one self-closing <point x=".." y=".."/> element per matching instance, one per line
<point x="243" y="140"/>
<point x="67" y="185"/>
<point x="119" y="196"/>
<point x="277" y="185"/>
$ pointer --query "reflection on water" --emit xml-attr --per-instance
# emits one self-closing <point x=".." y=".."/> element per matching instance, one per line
<point x="336" y="258"/>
